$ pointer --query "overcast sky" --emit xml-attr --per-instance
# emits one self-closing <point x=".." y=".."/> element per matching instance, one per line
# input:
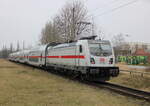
<point x="22" y="20"/>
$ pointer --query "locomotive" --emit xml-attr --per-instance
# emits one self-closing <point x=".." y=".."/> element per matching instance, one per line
<point x="85" y="58"/>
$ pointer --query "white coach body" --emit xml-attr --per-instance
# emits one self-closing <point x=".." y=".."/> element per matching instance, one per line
<point x="36" y="56"/>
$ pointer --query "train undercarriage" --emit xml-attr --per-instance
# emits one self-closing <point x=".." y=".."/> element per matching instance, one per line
<point x="92" y="73"/>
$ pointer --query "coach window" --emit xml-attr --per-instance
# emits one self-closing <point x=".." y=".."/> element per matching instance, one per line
<point x="80" y="48"/>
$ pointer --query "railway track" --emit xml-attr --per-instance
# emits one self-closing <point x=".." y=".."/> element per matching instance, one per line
<point x="123" y="90"/>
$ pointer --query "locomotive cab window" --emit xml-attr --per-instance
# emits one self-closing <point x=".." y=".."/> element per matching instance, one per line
<point x="100" y="49"/>
<point x="80" y="48"/>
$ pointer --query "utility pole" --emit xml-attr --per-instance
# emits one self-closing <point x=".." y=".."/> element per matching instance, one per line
<point x="73" y="20"/>
<point x="93" y="33"/>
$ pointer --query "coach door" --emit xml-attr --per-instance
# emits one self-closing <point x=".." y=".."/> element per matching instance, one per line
<point x="78" y="53"/>
<point x="41" y="57"/>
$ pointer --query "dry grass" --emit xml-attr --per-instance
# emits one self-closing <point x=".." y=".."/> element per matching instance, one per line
<point x="133" y="80"/>
<point x="147" y="70"/>
<point x="25" y="86"/>
<point x="123" y="66"/>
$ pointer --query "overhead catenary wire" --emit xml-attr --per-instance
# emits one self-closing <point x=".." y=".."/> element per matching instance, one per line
<point x="110" y="10"/>
<point x="108" y="3"/>
<point x="102" y="7"/>
<point x="113" y="9"/>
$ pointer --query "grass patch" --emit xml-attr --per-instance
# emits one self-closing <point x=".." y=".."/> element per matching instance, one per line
<point x="25" y="86"/>
<point x="133" y="80"/>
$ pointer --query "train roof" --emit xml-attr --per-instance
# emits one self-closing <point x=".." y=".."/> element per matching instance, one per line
<point x="41" y="47"/>
<point x="74" y="43"/>
<point x="65" y="45"/>
<point x="98" y="41"/>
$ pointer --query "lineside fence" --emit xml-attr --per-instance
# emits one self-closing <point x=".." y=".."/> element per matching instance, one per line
<point x="142" y="74"/>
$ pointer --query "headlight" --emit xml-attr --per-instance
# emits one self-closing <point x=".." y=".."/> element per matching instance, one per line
<point x="111" y="61"/>
<point x="92" y="60"/>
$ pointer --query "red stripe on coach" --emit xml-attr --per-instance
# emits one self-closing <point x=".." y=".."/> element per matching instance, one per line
<point x="73" y="56"/>
<point x="52" y="56"/>
<point x="34" y="56"/>
<point x="67" y="56"/>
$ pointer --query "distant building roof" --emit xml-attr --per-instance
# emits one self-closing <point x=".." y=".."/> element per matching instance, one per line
<point x="141" y="52"/>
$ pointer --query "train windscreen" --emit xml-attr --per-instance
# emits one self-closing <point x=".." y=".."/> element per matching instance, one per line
<point x="100" y="49"/>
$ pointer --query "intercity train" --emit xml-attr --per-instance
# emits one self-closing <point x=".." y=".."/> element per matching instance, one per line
<point x="87" y="59"/>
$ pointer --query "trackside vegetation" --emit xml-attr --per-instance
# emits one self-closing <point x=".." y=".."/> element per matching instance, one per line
<point x="26" y="86"/>
<point x="134" y="80"/>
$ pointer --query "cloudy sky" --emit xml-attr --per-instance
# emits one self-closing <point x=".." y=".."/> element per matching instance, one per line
<point x="22" y="20"/>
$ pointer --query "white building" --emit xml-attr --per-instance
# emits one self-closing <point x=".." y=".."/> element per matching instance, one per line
<point x="139" y="45"/>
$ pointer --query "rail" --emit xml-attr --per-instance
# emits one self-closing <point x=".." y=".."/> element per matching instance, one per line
<point x="124" y="90"/>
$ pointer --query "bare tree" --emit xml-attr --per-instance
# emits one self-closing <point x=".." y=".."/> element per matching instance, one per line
<point x="49" y="33"/>
<point x="4" y="52"/>
<point x="118" y="40"/>
<point x="18" y="46"/>
<point x="101" y="35"/>
<point x="121" y="47"/>
<point x="136" y="47"/>
<point x="11" y="48"/>
<point x="68" y="25"/>
<point x="73" y="20"/>
<point x="144" y="46"/>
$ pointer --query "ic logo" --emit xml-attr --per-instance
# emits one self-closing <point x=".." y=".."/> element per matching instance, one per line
<point x="102" y="60"/>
